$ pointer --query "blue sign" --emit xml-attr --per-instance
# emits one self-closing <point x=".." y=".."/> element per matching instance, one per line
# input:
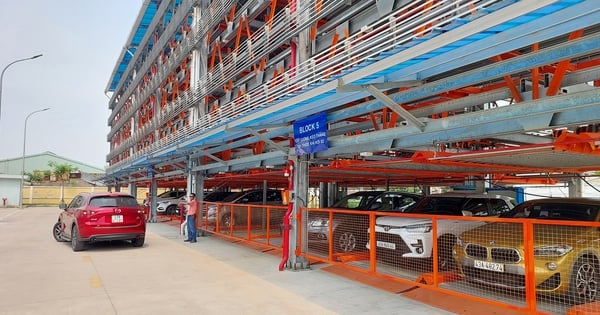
<point x="150" y="171"/>
<point x="310" y="134"/>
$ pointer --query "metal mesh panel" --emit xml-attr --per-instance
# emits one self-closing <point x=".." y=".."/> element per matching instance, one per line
<point x="489" y="262"/>
<point x="483" y="258"/>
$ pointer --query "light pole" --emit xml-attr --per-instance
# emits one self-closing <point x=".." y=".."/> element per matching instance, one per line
<point x="23" y="158"/>
<point x="2" y="75"/>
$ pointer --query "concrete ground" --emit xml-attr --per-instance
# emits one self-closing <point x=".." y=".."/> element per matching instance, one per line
<point x="167" y="276"/>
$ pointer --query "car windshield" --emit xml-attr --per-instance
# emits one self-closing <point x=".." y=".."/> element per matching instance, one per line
<point x="217" y="195"/>
<point x="110" y="201"/>
<point x="555" y="211"/>
<point x="171" y="194"/>
<point x="233" y="197"/>
<point x="441" y="206"/>
<point x="356" y="200"/>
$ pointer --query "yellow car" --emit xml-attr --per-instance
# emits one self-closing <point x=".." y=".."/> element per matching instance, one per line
<point x="566" y="257"/>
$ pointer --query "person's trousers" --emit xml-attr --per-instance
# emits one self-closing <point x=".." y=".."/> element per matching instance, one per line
<point x="191" y="227"/>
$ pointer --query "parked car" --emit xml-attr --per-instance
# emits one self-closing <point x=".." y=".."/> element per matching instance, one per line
<point x="227" y="217"/>
<point x="566" y="258"/>
<point x="412" y="237"/>
<point x="92" y="217"/>
<point x="168" y="202"/>
<point x="349" y="230"/>
<point x="215" y="196"/>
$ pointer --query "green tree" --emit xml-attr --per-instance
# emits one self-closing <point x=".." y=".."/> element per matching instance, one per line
<point x="35" y="177"/>
<point x="62" y="173"/>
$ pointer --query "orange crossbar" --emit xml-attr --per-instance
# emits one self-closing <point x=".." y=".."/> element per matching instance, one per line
<point x="585" y="309"/>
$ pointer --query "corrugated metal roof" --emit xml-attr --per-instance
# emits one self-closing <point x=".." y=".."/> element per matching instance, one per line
<point x="139" y="30"/>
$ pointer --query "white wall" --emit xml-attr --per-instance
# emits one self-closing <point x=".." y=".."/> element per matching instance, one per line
<point x="9" y="188"/>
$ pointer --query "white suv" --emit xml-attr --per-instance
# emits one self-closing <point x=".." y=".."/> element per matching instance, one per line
<point x="411" y="237"/>
<point x="168" y="202"/>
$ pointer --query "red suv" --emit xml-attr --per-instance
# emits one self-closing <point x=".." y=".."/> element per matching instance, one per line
<point x="92" y="217"/>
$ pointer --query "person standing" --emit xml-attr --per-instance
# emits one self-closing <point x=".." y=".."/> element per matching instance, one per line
<point x="192" y="209"/>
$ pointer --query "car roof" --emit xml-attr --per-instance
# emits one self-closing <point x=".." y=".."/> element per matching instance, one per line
<point x="106" y="193"/>
<point x="235" y="196"/>
<point x="468" y="195"/>
<point x="379" y="192"/>
<point x="367" y="193"/>
<point x="217" y="195"/>
<point x="580" y="200"/>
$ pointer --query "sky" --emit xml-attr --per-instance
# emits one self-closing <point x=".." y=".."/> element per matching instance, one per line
<point x="81" y="42"/>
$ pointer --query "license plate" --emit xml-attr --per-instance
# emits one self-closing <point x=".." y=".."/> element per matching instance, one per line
<point x="387" y="245"/>
<point x="117" y="218"/>
<point x="488" y="266"/>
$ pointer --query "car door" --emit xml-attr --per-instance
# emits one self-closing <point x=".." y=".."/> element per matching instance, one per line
<point x="68" y="216"/>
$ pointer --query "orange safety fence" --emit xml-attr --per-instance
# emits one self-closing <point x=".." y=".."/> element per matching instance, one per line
<point x="253" y="223"/>
<point x="549" y="265"/>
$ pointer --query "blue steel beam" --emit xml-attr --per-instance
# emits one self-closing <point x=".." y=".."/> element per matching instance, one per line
<point x="555" y="112"/>
<point x="307" y="103"/>
<point x="544" y="28"/>
<point x="560" y="52"/>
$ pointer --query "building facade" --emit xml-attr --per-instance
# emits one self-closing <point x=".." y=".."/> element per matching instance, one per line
<point x="215" y="87"/>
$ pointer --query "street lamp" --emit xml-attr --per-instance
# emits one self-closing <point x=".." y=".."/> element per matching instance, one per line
<point x="2" y="75"/>
<point x="23" y="158"/>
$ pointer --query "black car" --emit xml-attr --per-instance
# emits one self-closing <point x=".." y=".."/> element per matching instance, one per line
<point x="350" y="230"/>
<point x="230" y="214"/>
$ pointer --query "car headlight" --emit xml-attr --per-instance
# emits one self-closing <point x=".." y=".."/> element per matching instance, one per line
<point x="319" y="222"/>
<point x="555" y="250"/>
<point x="419" y="228"/>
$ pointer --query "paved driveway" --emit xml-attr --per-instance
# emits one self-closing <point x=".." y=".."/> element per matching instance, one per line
<point x="166" y="276"/>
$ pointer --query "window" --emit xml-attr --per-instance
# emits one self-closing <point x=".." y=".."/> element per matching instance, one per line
<point x="478" y="207"/>
<point x="121" y="201"/>
<point x="77" y="202"/>
<point x="441" y="206"/>
<point x="274" y="195"/>
<point x="498" y="206"/>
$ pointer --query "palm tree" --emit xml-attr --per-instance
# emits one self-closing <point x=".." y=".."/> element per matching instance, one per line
<point x="62" y="173"/>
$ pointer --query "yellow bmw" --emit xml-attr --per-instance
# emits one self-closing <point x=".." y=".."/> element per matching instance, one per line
<point x="566" y="255"/>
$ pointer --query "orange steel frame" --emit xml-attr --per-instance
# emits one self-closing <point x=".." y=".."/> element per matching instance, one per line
<point x="248" y="227"/>
<point x="436" y="278"/>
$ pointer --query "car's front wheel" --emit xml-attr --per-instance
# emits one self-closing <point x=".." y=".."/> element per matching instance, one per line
<point x="584" y="280"/>
<point x="345" y="241"/>
<point x="227" y="220"/>
<point x="172" y="209"/>
<point x="76" y="244"/>
<point x="57" y="232"/>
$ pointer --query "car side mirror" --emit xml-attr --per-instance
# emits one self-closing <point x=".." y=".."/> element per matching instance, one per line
<point x="62" y="206"/>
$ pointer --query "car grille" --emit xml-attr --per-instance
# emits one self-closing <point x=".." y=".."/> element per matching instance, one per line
<point x="476" y="251"/>
<point x="505" y="255"/>
<point x="498" y="254"/>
